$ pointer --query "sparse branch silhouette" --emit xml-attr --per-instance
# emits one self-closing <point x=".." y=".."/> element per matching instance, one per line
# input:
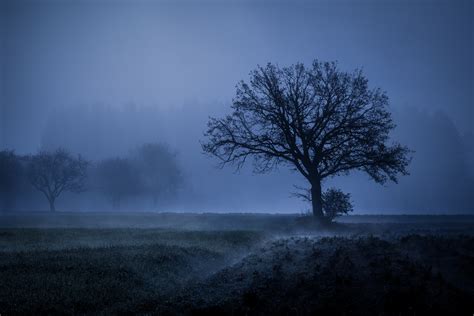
<point x="55" y="172"/>
<point x="319" y="120"/>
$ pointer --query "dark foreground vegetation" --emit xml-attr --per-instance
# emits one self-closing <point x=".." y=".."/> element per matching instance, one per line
<point x="236" y="264"/>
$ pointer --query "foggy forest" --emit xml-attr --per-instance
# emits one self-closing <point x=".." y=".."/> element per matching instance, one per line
<point x="237" y="157"/>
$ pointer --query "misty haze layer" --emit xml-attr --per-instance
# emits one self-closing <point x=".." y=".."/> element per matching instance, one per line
<point x="102" y="78"/>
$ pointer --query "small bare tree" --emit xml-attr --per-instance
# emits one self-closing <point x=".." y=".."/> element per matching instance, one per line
<point x="55" y="172"/>
<point x="319" y="120"/>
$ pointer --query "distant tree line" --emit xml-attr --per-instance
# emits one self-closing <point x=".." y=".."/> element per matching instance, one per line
<point x="150" y="172"/>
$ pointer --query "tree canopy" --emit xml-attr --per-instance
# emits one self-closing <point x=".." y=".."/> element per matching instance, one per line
<point x="55" y="172"/>
<point x="319" y="120"/>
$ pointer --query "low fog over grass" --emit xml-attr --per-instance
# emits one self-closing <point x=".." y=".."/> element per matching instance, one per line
<point x="200" y="263"/>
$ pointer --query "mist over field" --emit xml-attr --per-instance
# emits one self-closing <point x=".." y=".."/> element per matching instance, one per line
<point x="236" y="157"/>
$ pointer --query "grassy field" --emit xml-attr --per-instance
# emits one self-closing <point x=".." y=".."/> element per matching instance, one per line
<point x="102" y="263"/>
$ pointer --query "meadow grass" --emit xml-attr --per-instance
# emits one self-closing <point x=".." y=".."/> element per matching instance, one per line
<point x="233" y="264"/>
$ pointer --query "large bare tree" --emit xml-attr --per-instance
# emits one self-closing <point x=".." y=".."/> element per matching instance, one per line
<point x="55" y="172"/>
<point x="319" y="120"/>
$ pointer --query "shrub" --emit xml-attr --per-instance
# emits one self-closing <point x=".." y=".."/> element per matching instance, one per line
<point x="336" y="203"/>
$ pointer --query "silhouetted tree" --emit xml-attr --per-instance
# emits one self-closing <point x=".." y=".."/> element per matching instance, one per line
<point x="319" y="120"/>
<point x="118" y="178"/>
<point x="159" y="170"/>
<point x="336" y="203"/>
<point x="55" y="172"/>
<point x="11" y="177"/>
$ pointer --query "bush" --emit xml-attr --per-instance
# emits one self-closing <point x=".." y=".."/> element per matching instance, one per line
<point x="336" y="203"/>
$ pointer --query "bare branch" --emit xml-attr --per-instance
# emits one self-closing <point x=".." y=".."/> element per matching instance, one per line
<point x="321" y="121"/>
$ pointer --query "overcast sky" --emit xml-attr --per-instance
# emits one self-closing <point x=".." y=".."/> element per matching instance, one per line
<point x="179" y="62"/>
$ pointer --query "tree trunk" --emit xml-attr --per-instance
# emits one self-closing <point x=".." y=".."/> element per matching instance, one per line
<point x="52" y="208"/>
<point x="316" y="199"/>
